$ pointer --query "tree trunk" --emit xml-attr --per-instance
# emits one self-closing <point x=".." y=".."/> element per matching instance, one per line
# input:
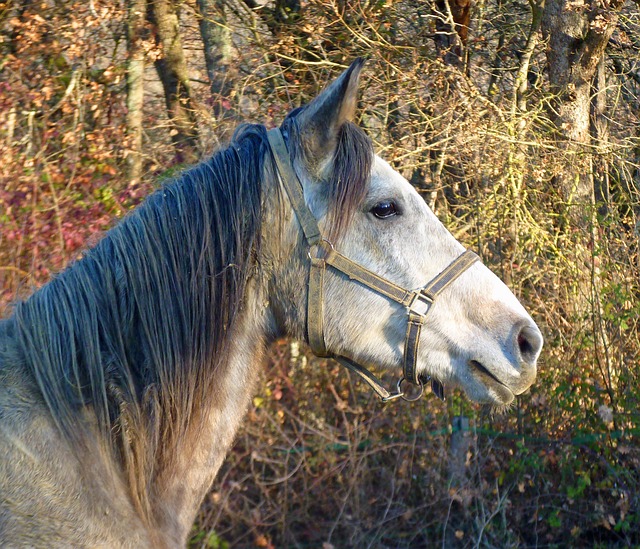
<point x="577" y="34"/>
<point x="577" y="39"/>
<point x="521" y="84"/>
<point x="284" y="14"/>
<point x="600" y="134"/>
<point x="452" y="29"/>
<point x="136" y="10"/>
<point x="172" y="70"/>
<point x="216" y="39"/>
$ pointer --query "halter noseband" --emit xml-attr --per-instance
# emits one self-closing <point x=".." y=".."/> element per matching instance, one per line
<point x="322" y="253"/>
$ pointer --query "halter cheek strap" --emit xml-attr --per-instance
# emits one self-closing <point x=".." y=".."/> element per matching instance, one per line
<point x="322" y="254"/>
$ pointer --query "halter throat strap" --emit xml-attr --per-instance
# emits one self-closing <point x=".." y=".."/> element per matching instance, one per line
<point x="322" y="254"/>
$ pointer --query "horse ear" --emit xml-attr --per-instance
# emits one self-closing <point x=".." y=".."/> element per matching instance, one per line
<point x="319" y="123"/>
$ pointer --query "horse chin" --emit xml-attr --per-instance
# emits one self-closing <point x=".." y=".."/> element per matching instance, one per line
<point x="496" y="394"/>
<point x="500" y="409"/>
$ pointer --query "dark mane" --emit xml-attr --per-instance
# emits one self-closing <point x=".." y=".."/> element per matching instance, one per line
<point x="135" y="328"/>
<point x="348" y="181"/>
<point x="350" y="178"/>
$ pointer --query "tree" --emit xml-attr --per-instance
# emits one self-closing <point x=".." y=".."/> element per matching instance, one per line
<point x="216" y="41"/>
<point x="172" y="70"/>
<point x="452" y="29"/>
<point x="135" y="26"/>
<point x="578" y="33"/>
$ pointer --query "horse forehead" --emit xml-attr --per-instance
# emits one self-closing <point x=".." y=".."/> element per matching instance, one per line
<point x="384" y="177"/>
<point x="387" y="183"/>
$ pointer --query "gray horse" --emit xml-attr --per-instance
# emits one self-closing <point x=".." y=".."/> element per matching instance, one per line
<point x="123" y="380"/>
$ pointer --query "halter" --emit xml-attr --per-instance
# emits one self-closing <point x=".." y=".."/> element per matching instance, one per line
<point x="321" y="254"/>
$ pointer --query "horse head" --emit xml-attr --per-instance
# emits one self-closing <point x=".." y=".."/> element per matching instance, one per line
<point x="472" y="333"/>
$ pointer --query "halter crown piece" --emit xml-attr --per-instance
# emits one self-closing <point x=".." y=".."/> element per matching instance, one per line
<point x="322" y="254"/>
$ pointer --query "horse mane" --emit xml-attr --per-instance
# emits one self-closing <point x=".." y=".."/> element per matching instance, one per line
<point x="123" y="344"/>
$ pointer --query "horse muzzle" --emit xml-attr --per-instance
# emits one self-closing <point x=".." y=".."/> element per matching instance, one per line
<point x="508" y="381"/>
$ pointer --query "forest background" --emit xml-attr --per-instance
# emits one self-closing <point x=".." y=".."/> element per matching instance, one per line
<point x="519" y="122"/>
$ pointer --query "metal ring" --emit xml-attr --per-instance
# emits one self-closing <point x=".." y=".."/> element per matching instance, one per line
<point x="328" y="242"/>
<point x="401" y="393"/>
<point x="309" y="250"/>
<point x="319" y="245"/>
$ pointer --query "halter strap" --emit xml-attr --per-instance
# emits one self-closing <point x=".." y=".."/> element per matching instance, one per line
<point x="418" y="302"/>
<point x="293" y="187"/>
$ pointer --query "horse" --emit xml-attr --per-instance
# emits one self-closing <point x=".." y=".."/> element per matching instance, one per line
<point x="124" y="379"/>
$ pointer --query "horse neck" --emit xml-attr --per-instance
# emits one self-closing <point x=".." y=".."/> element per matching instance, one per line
<point x="180" y="489"/>
<point x="284" y="258"/>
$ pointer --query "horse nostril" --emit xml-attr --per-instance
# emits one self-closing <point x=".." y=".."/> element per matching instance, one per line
<point x="529" y="343"/>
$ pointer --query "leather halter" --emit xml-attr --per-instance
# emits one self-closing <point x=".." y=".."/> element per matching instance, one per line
<point x="322" y="254"/>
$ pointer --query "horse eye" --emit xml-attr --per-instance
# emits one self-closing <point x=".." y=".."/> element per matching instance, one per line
<point x="385" y="209"/>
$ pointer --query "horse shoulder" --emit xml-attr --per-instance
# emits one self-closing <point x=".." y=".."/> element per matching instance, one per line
<point x="47" y="497"/>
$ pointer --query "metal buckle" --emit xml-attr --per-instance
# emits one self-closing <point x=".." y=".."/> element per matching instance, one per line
<point x="392" y="396"/>
<point x="401" y="394"/>
<point x="321" y="245"/>
<point x="421" y="303"/>
<point x="404" y="397"/>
